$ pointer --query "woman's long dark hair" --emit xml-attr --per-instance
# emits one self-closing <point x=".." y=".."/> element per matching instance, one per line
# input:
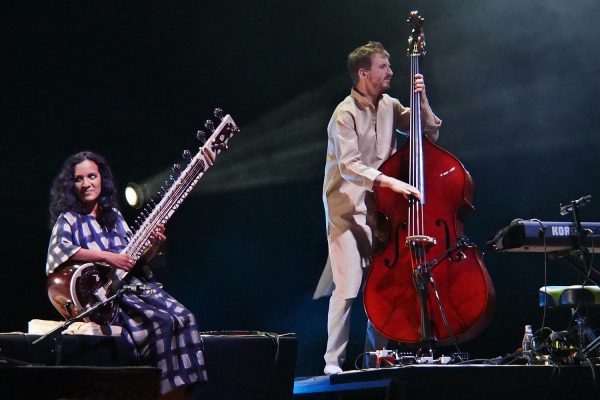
<point x="63" y="197"/>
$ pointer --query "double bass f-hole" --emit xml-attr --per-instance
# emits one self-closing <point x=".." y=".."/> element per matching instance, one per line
<point x="452" y="252"/>
<point x="387" y="262"/>
<point x="441" y="222"/>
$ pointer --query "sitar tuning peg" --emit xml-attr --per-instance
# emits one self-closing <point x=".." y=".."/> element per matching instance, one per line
<point x="187" y="155"/>
<point x="176" y="168"/>
<point x="201" y="136"/>
<point x="209" y="125"/>
<point x="219" y="113"/>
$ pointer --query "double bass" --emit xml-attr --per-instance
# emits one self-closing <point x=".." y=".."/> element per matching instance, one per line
<point x="427" y="284"/>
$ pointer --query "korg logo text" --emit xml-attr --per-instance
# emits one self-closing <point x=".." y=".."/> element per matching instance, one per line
<point x="561" y="230"/>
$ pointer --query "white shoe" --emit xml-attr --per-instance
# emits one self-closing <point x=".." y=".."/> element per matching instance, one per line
<point x="332" y="369"/>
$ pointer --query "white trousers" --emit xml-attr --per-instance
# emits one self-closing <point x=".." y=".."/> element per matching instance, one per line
<point x="338" y="333"/>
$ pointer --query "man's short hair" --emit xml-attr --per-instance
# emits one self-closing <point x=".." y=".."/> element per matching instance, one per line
<point x="361" y="58"/>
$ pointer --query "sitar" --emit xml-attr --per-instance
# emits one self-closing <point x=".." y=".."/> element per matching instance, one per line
<point x="73" y="288"/>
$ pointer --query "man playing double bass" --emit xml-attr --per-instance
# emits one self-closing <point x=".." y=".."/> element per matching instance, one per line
<point x="361" y="136"/>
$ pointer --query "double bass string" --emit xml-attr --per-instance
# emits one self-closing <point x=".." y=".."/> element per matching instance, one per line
<point x="416" y="214"/>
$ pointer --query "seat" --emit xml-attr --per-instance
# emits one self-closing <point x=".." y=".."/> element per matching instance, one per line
<point x="579" y="299"/>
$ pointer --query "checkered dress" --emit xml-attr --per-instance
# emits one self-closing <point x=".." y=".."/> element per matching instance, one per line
<point x="162" y="331"/>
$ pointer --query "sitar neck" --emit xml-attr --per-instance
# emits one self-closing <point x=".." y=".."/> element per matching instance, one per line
<point x="180" y="188"/>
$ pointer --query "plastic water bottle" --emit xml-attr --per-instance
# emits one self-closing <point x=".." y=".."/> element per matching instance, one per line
<point x="526" y="346"/>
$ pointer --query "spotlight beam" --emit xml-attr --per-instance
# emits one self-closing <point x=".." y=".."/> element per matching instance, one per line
<point x="288" y="144"/>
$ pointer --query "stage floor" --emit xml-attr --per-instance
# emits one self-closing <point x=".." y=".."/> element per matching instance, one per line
<point x="454" y="382"/>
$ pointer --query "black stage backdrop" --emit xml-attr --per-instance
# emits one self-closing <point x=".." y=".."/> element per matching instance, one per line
<point x="516" y="84"/>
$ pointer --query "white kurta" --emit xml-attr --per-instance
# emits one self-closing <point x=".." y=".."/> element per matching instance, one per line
<point x="360" y="139"/>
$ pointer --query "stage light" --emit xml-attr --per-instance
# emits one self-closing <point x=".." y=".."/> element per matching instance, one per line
<point x="134" y="194"/>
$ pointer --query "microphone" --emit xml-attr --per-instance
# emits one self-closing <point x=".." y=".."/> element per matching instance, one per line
<point x="582" y="201"/>
<point x="137" y="289"/>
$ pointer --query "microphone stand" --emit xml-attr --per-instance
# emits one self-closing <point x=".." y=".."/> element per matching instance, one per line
<point x="422" y="277"/>
<point x="56" y="333"/>
<point x="580" y="250"/>
<point x="581" y="254"/>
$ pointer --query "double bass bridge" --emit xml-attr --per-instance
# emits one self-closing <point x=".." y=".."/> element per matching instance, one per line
<point x="420" y="241"/>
